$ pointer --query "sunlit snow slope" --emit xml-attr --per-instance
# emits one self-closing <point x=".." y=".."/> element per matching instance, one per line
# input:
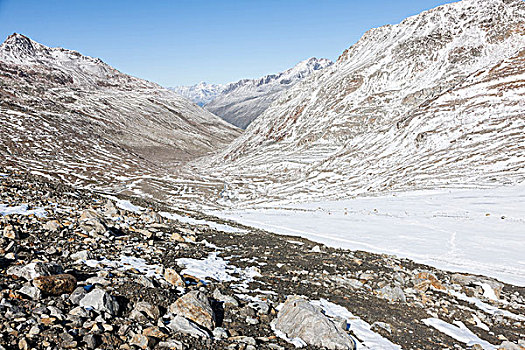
<point x="435" y="101"/>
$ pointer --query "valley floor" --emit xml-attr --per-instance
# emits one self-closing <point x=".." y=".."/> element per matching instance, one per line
<point x="478" y="231"/>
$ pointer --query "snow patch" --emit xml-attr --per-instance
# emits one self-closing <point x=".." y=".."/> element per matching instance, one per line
<point x="460" y="332"/>
<point x="22" y="209"/>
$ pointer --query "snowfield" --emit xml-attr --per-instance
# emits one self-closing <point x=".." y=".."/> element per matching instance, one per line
<point x="479" y="231"/>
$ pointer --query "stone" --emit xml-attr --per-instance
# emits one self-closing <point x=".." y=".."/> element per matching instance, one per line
<point x="56" y="284"/>
<point x="196" y="307"/>
<point x="144" y="310"/>
<point x="220" y="333"/>
<point x="507" y="345"/>
<point x="101" y="301"/>
<point x="30" y="291"/>
<point x="394" y="294"/>
<point x="226" y="299"/>
<point x="77" y="295"/>
<point x="180" y="324"/>
<point x="171" y="344"/>
<point x="91" y="341"/>
<point x="176" y="237"/>
<point x="154" y="332"/>
<point x="52" y="225"/>
<point x="142" y="341"/>
<point x="172" y="277"/>
<point x="33" y="270"/>
<point x="10" y="232"/>
<point x="82" y="255"/>
<point x="300" y="319"/>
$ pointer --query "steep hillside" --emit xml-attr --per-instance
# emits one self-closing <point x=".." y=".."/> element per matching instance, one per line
<point x="241" y="102"/>
<point x="437" y="100"/>
<point x="75" y="117"/>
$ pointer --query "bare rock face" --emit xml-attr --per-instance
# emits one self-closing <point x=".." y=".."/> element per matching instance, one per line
<point x="196" y="307"/>
<point x="56" y="284"/>
<point x="300" y="319"/>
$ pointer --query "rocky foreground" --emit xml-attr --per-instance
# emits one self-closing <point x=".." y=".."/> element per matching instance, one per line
<point x="82" y="270"/>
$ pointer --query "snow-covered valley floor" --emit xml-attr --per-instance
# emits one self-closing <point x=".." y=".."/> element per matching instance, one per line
<point x="478" y="231"/>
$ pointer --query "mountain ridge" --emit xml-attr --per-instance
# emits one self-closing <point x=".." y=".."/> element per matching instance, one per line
<point x="348" y="130"/>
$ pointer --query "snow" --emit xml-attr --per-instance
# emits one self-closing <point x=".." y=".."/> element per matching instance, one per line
<point x="218" y="269"/>
<point x="367" y="339"/>
<point x="460" y="332"/>
<point x="22" y="209"/>
<point x="492" y="310"/>
<point x="127" y="205"/>
<point x="212" y="267"/>
<point x="127" y="263"/>
<point x="192" y="221"/>
<point x="478" y="231"/>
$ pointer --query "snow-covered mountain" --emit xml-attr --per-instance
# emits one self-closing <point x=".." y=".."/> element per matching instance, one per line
<point x="72" y="116"/>
<point x="201" y="93"/>
<point x="437" y="100"/>
<point x="241" y="102"/>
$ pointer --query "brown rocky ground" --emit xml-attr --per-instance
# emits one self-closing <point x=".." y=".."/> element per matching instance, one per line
<point x="128" y="277"/>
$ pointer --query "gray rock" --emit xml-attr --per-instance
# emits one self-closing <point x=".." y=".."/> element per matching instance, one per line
<point x="220" y="333"/>
<point x="171" y="344"/>
<point x="393" y="294"/>
<point x="91" y="341"/>
<point x="180" y="324"/>
<point x="226" y="299"/>
<point x="144" y="310"/>
<point x="35" y="269"/>
<point x="100" y="301"/>
<point x="32" y="292"/>
<point x="196" y="307"/>
<point x="82" y="255"/>
<point x="77" y="295"/>
<point x="300" y="319"/>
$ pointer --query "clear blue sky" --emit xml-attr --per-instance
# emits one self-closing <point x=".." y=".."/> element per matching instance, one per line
<point x="185" y="42"/>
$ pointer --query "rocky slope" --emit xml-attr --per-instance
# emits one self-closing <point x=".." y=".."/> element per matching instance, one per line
<point x="79" y="270"/>
<point x="241" y="102"/>
<point x="436" y="100"/>
<point x="201" y="93"/>
<point x="74" y="117"/>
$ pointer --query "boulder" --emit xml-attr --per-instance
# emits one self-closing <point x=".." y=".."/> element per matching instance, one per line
<point x="34" y="270"/>
<point x="300" y="319"/>
<point x="56" y="284"/>
<point x="195" y="306"/>
<point x="101" y="301"/>
<point x="180" y="324"/>
<point x="173" y="278"/>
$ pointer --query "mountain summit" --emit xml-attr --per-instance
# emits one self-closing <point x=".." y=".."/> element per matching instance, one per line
<point x="243" y="101"/>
